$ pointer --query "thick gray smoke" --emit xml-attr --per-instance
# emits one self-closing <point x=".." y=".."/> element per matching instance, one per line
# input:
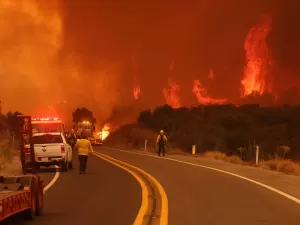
<point x="58" y="55"/>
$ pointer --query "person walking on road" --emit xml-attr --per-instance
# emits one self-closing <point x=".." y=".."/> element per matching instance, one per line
<point x="161" y="142"/>
<point x="83" y="148"/>
<point x="72" y="139"/>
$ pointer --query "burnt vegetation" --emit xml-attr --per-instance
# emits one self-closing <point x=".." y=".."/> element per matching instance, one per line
<point x="230" y="129"/>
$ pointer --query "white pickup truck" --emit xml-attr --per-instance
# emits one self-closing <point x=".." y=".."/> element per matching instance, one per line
<point x="51" y="149"/>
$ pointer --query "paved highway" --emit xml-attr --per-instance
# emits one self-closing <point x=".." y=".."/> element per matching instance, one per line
<point x="201" y="196"/>
<point x="111" y="196"/>
<point x="105" y="195"/>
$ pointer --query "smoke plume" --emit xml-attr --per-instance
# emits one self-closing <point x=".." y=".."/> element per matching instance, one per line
<point x="59" y="55"/>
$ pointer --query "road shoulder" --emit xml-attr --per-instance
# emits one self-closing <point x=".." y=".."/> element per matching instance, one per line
<point x="13" y="168"/>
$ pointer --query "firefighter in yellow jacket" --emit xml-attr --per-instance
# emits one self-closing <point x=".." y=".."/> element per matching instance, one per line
<point x="83" y="148"/>
<point x="161" y="142"/>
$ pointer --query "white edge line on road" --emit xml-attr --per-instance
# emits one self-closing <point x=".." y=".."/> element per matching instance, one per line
<point x="221" y="171"/>
<point x="52" y="182"/>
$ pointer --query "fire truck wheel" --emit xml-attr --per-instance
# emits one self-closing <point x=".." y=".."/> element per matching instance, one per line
<point x="30" y="214"/>
<point x="39" y="198"/>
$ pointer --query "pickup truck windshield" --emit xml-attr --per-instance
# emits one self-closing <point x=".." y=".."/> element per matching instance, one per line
<point x="47" y="139"/>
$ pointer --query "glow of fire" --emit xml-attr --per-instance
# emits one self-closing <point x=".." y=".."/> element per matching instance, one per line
<point x="136" y="93"/>
<point x="172" y="94"/>
<point x="105" y="131"/>
<point x="172" y="66"/>
<point x="259" y="60"/>
<point x="201" y="94"/>
<point x="211" y="74"/>
<point x="136" y="89"/>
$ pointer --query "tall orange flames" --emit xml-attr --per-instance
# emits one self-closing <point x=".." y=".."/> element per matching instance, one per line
<point x="171" y="93"/>
<point x="105" y="132"/>
<point x="201" y="93"/>
<point x="258" y="60"/>
<point x="136" y="92"/>
<point x="32" y="71"/>
<point x="256" y="80"/>
<point x="136" y="88"/>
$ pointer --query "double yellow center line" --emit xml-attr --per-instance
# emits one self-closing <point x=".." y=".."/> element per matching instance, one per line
<point x="154" y="207"/>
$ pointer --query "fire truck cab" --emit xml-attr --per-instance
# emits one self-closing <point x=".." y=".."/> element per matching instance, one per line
<point x="85" y="126"/>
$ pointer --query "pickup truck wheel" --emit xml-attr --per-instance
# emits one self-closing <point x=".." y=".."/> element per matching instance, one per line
<point x="65" y="167"/>
<point x="71" y="164"/>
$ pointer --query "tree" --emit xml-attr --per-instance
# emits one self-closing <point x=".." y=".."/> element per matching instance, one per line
<point x="83" y="113"/>
<point x="13" y="121"/>
<point x="163" y="118"/>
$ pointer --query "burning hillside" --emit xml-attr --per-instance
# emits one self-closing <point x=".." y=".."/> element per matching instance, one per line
<point x="52" y="61"/>
<point x="257" y="78"/>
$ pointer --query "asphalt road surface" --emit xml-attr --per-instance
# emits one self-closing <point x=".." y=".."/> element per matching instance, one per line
<point x="104" y="195"/>
<point x="201" y="196"/>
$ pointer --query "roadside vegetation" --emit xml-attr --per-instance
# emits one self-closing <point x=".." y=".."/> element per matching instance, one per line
<point x="223" y="132"/>
<point x="8" y="137"/>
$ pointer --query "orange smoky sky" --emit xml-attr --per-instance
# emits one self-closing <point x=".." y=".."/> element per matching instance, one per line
<point x="58" y="55"/>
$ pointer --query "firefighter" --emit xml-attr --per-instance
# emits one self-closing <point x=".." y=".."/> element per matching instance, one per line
<point x="72" y="139"/>
<point x="83" y="148"/>
<point x="161" y="142"/>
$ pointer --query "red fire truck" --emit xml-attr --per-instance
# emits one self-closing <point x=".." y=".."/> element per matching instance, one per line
<point x="47" y="125"/>
<point x="22" y="194"/>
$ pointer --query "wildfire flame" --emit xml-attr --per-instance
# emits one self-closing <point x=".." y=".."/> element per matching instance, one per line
<point x="42" y="42"/>
<point x="172" y="94"/>
<point x="136" y="93"/>
<point x="136" y="89"/>
<point x="259" y="60"/>
<point x="201" y="93"/>
<point x="105" y="131"/>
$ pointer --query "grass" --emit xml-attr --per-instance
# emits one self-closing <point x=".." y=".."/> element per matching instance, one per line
<point x="279" y="165"/>
<point x="221" y="156"/>
<point x="283" y="166"/>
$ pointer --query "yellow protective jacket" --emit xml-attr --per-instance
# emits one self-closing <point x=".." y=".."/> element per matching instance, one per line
<point x="84" y="147"/>
<point x="164" y="139"/>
